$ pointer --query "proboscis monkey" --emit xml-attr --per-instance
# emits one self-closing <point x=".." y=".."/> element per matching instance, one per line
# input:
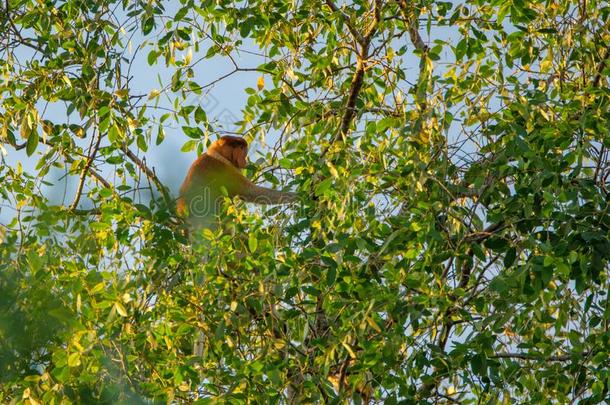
<point x="201" y="193"/>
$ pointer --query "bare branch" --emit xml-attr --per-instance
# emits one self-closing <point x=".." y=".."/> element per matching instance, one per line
<point x="81" y="181"/>
<point x="149" y="173"/>
<point x="531" y="356"/>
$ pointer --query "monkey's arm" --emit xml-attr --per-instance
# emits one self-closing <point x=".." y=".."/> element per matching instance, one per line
<point x="250" y="192"/>
<point x="222" y="173"/>
<point x="262" y="195"/>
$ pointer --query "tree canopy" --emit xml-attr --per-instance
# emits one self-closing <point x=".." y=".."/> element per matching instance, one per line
<point x="451" y="242"/>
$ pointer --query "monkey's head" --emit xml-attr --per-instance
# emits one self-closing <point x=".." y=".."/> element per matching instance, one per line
<point x="232" y="148"/>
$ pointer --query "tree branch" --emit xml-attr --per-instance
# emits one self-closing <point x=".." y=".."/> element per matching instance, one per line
<point x="530" y="356"/>
<point x="17" y="32"/>
<point x="149" y="173"/>
<point x="412" y="26"/>
<point x="69" y="159"/>
<point x="81" y="181"/>
<point x="476" y="237"/>
<point x="601" y="67"/>
<point x="358" y="78"/>
<point x="359" y="38"/>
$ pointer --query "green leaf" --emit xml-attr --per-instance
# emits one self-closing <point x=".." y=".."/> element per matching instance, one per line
<point x="181" y="13"/>
<point x="245" y="27"/>
<point x="323" y="186"/>
<point x="188" y="146"/>
<point x="200" y="115"/>
<point x="141" y="142"/>
<point x="193" y="132"/>
<point x="252" y="243"/>
<point x="152" y="57"/>
<point x="114" y="134"/>
<point x="74" y="359"/>
<point x="331" y="275"/>
<point x="478" y="251"/>
<point x="160" y="136"/>
<point x="510" y="256"/>
<point x="32" y="142"/>
<point x="478" y="363"/>
<point x="147" y="25"/>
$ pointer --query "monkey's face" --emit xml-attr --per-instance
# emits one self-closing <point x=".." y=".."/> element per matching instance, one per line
<point x="232" y="148"/>
<point x="239" y="156"/>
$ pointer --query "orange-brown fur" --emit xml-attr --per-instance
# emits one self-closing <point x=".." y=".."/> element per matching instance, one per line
<point x="219" y="168"/>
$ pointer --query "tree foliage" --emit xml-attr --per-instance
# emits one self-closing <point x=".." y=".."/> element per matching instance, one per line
<point x="452" y="240"/>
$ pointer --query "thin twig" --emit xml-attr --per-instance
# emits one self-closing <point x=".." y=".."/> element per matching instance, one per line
<point x="69" y="159"/>
<point x="357" y="36"/>
<point x="81" y="181"/>
<point x="529" y="356"/>
<point x="149" y="173"/>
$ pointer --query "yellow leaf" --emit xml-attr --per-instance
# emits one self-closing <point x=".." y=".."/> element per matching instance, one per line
<point x="390" y="54"/>
<point x="349" y="350"/>
<point x="545" y="65"/>
<point x="74" y="359"/>
<point x="334" y="380"/>
<point x="97" y="288"/>
<point x="168" y="342"/>
<point x="133" y="124"/>
<point x="208" y="234"/>
<point x="122" y="93"/>
<point x="26" y="126"/>
<point x="260" y="83"/>
<point x="373" y="324"/>
<point x="153" y="94"/>
<point x="189" y="56"/>
<point x="120" y="308"/>
<point x="47" y="127"/>
<point x="290" y="74"/>
<point x="332" y="169"/>
<point x="230" y="342"/>
<point x="429" y="64"/>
